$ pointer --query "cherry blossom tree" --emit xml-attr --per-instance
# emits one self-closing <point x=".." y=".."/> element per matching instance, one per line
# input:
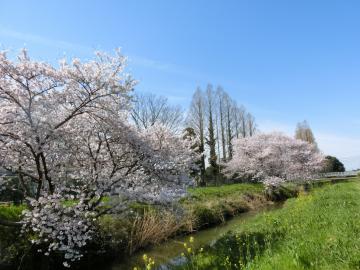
<point x="274" y="158"/>
<point x="64" y="132"/>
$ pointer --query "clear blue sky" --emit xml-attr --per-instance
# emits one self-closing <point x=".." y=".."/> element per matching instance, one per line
<point x="286" y="61"/>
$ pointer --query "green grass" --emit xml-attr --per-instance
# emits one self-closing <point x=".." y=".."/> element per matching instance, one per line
<point x="213" y="205"/>
<point x="208" y="193"/>
<point x="320" y="230"/>
<point x="11" y="212"/>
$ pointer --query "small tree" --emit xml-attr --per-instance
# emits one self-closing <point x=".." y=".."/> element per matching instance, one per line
<point x="332" y="164"/>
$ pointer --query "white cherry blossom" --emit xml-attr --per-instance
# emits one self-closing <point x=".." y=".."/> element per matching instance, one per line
<point x="64" y="131"/>
<point x="274" y="158"/>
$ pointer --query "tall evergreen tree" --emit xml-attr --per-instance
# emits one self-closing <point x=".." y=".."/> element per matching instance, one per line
<point x="211" y="140"/>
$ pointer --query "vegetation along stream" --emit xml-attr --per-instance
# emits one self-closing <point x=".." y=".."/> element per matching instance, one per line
<point x="170" y="251"/>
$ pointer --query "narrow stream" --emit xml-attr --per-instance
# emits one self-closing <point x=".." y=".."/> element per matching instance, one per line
<point x="170" y="250"/>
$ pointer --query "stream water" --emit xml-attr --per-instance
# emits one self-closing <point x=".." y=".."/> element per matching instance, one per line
<point x="170" y="251"/>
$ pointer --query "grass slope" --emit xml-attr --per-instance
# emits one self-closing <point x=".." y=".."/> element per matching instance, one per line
<point x="207" y="193"/>
<point x="213" y="205"/>
<point x="320" y="230"/>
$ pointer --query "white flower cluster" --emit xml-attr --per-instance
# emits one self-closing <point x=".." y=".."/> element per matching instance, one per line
<point x="274" y="158"/>
<point x="273" y="181"/>
<point x="62" y="228"/>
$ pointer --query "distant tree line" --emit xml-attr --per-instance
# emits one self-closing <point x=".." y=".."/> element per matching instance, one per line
<point x="214" y="119"/>
<point x="212" y="122"/>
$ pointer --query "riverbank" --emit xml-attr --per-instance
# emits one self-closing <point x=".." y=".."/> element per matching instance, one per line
<point x="147" y="225"/>
<point x="170" y="250"/>
<point x="319" y="230"/>
<point x="204" y="207"/>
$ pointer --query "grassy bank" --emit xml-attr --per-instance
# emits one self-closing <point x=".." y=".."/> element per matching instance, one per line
<point x="148" y="225"/>
<point x="213" y="205"/>
<point x="320" y="230"/>
<point x="203" y="207"/>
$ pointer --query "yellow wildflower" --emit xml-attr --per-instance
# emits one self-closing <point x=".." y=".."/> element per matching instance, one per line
<point x="145" y="257"/>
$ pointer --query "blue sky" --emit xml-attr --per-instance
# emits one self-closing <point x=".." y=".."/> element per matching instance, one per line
<point x="286" y="61"/>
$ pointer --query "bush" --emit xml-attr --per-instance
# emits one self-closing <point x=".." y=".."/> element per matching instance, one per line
<point x="284" y="192"/>
<point x="152" y="227"/>
<point x="206" y="216"/>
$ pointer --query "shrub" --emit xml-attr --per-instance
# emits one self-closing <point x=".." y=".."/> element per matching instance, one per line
<point x="152" y="227"/>
<point x="206" y="216"/>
